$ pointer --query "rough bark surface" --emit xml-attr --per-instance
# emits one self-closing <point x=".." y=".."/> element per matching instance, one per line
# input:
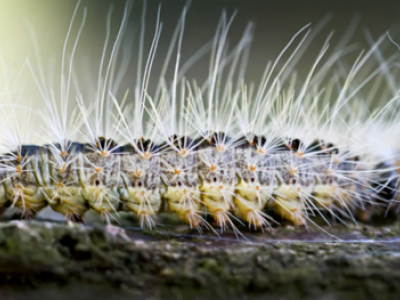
<point x="47" y="260"/>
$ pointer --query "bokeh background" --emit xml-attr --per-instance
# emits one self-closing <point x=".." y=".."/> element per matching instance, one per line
<point x="275" y="23"/>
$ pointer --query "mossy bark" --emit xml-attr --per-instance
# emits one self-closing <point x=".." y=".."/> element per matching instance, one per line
<point x="68" y="259"/>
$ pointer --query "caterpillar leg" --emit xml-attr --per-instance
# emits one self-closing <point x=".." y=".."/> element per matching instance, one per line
<point x="145" y="203"/>
<point x="324" y="195"/>
<point x="30" y="200"/>
<point x="102" y="199"/>
<point x="185" y="202"/>
<point x="218" y="200"/>
<point x="250" y="201"/>
<point x="288" y="204"/>
<point x="68" y="201"/>
<point x="287" y="196"/>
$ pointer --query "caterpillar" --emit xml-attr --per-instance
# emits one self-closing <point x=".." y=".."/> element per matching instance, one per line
<point x="215" y="154"/>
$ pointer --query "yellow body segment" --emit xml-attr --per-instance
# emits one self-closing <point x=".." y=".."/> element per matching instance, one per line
<point x="30" y="200"/>
<point x="140" y="186"/>
<point x="142" y="201"/>
<point x="67" y="200"/>
<point x="324" y="195"/>
<point x="288" y="204"/>
<point x="60" y="176"/>
<point x="218" y="199"/>
<point x="99" y="179"/>
<point x="185" y="202"/>
<point x="250" y="201"/>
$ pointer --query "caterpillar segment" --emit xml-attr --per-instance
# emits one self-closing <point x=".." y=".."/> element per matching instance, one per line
<point x="387" y="191"/>
<point x="325" y="188"/>
<point x="289" y="202"/>
<point x="218" y="178"/>
<point x="59" y="168"/>
<point x="98" y="169"/>
<point x="323" y="168"/>
<point x="333" y="182"/>
<point x="355" y="192"/>
<point x="256" y="184"/>
<point x="319" y="184"/>
<point x="140" y="181"/>
<point x="22" y="182"/>
<point x="180" y="175"/>
<point x="337" y="187"/>
<point x="307" y="170"/>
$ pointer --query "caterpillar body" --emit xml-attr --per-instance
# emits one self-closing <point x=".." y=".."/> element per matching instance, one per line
<point x="220" y="151"/>
<point x="242" y="181"/>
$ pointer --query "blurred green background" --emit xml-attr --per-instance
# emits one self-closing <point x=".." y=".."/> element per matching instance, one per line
<point x="275" y="23"/>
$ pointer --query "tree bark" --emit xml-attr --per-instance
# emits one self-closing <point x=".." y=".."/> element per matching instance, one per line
<point x="74" y="260"/>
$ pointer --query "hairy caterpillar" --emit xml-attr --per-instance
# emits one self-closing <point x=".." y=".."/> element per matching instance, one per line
<point x="223" y="150"/>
